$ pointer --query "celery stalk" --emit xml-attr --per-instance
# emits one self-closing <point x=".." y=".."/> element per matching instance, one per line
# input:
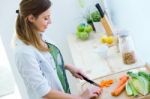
<point x="146" y="76"/>
<point x="134" y="91"/>
<point x="140" y="83"/>
<point x="129" y="89"/>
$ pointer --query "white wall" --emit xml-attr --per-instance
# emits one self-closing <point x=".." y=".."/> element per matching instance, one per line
<point x="6" y="78"/>
<point x="7" y="26"/>
<point x="134" y="15"/>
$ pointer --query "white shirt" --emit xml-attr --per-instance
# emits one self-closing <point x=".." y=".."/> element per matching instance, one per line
<point x="37" y="70"/>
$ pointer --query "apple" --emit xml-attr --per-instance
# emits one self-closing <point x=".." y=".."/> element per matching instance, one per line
<point x="78" y="34"/>
<point x="88" y="28"/>
<point x="82" y="24"/>
<point x="81" y="27"/>
<point x="83" y="35"/>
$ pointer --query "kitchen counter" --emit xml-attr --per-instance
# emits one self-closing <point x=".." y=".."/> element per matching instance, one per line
<point x="91" y="57"/>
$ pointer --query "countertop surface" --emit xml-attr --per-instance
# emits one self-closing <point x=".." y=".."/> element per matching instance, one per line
<point x="96" y="59"/>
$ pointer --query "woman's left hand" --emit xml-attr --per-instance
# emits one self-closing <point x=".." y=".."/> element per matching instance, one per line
<point x="75" y="71"/>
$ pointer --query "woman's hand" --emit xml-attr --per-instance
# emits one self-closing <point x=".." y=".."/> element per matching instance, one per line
<point x="75" y="71"/>
<point x="91" y="93"/>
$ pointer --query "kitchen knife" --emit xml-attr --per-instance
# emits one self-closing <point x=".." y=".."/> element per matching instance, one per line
<point x="104" y="21"/>
<point x="89" y="81"/>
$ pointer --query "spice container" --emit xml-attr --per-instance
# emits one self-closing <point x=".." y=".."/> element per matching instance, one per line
<point x="126" y="48"/>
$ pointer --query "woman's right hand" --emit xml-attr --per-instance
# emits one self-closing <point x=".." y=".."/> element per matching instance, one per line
<point x="91" y="93"/>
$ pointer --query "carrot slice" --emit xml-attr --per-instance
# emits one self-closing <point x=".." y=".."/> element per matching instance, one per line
<point x="106" y="83"/>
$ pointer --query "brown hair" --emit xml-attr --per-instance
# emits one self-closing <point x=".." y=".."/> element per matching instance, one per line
<point x="25" y="30"/>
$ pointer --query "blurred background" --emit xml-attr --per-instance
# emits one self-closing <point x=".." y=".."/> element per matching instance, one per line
<point x="132" y="15"/>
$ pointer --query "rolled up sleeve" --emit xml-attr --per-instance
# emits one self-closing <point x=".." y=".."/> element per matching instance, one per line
<point x="30" y="71"/>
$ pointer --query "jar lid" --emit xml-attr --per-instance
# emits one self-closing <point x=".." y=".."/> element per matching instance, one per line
<point x="123" y="33"/>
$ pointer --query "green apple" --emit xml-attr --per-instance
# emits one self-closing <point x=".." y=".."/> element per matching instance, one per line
<point x="83" y="35"/>
<point x="81" y="27"/>
<point x="88" y="28"/>
<point x="78" y="34"/>
<point x="82" y="24"/>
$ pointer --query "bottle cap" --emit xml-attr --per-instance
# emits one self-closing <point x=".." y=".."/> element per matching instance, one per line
<point x="123" y="33"/>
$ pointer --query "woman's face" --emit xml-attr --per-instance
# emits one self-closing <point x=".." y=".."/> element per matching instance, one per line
<point x="42" y="21"/>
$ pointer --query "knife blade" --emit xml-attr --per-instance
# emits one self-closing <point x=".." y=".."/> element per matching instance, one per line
<point x="99" y="9"/>
<point x="89" y="81"/>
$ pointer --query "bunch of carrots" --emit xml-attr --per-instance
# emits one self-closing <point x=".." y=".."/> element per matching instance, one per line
<point x="105" y="83"/>
<point x="121" y="85"/>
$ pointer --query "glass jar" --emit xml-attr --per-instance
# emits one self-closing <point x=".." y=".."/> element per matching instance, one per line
<point x="126" y="48"/>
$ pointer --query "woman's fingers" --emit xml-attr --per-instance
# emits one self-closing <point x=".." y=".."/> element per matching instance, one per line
<point x="94" y="96"/>
<point x="96" y="90"/>
<point x="89" y="94"/>
<point x="99" y="91"/>
<point x="79" y="76"/>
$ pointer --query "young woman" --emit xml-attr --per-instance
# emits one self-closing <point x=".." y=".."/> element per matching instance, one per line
<point x="40" y="63"/>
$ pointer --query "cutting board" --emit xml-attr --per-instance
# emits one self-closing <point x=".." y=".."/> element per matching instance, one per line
<point x="106" y="94"/>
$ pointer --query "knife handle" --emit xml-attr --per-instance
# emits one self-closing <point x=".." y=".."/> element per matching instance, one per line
<point x="86" y="79"/>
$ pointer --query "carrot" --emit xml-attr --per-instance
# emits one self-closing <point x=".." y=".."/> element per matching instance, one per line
<point x="120" y="86"/>
<point x="122" y="80"/>
<point x="110" y="81"/>
<point x="119" y="90"/>
<point x="124" y="77"/>
<point x="106" y="83"/>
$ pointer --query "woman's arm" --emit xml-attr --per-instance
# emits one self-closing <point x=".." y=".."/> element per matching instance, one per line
<point x="87" y="94"/>
<point x="54" y="94"/>
<point x="74" y="71"/>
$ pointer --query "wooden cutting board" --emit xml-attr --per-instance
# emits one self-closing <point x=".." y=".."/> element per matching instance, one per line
<point x="106" y="94"/>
